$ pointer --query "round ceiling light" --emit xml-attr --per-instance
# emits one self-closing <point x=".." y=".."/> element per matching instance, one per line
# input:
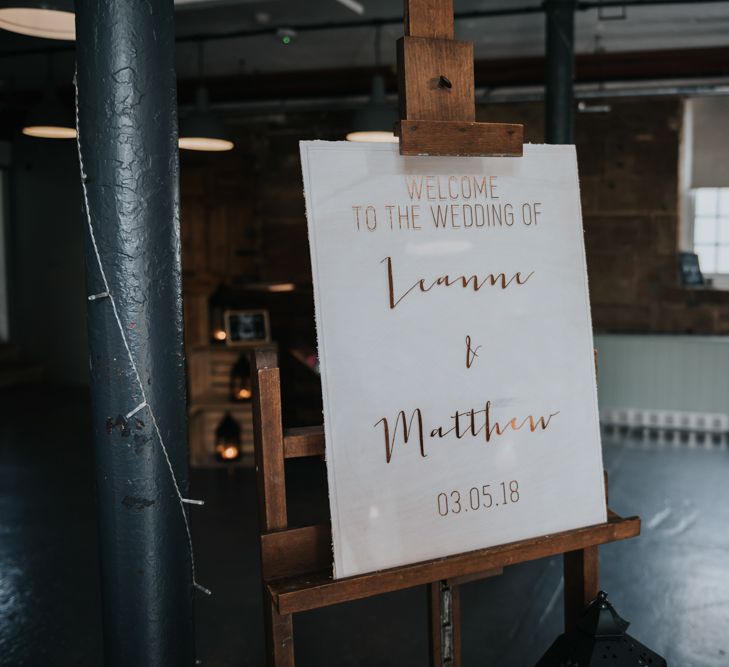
<point x="206" y="144"/>
<point x="49" y="132"/>
<point x="51" y="19"/>
<point x="375" y="136"/>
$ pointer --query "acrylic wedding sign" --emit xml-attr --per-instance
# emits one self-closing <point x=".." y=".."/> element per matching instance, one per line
<point x="455" y="343"/>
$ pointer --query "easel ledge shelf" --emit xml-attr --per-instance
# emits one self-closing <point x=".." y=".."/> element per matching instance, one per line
<point x="310" y="547"/>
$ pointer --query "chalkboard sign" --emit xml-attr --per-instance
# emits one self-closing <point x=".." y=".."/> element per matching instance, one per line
<point x="246" y="327"/>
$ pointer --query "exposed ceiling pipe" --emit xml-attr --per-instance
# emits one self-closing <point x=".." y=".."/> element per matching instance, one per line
<point x="559" y="105"/>
<point x="677" y="88"/>
<point x="582" y="5"/>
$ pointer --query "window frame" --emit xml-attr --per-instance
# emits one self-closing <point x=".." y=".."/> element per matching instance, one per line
<point x="719" y="279"/>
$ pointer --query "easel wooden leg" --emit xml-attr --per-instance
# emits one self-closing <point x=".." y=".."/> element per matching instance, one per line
<point x="279" y="635"/>
<point x="444" y="608"/>
<point x="581" y="583"/>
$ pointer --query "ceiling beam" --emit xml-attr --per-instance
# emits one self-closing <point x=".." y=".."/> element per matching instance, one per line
<point x="514" y="10"/>
<point x="590" y="68"/>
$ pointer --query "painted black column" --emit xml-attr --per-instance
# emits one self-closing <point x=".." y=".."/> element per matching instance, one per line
<point x="128" y="137"/>
<point x="559" y="103"/>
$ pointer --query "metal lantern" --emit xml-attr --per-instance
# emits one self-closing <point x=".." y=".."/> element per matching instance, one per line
<point x="240" y="380"/>
<point x="217" y="305"/>
<point x="227" y="440"/>
<point x="599" y="640"/>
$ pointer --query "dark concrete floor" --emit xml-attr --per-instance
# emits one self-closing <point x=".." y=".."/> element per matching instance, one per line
<point x="672" y="583"/>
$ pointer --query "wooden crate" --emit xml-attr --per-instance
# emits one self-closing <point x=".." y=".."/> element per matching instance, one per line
<point x="209" y="371"/>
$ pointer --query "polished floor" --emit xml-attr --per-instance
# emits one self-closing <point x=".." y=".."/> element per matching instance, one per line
<point x="672" y="583"/>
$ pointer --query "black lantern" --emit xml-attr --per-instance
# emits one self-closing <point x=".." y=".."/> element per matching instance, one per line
<point x="218" y="303"/>
<point x="599" y="640"/>
<point x="227" y="440"/>
<point x="240" y="380"/>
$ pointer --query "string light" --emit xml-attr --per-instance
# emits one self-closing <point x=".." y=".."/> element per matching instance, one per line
<point x="107" y="294"/>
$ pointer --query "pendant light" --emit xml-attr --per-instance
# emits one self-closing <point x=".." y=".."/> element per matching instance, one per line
<point x="376" y="120"/>
<point x="202" y="130"/>
<point x="50" y="119"/>
<point x="51" y="19"/>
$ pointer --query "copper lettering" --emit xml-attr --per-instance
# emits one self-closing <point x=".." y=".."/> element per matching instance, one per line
<point x="469" y="423"/>
<point x="406" y="432"/>
<point x="474" y="282"/>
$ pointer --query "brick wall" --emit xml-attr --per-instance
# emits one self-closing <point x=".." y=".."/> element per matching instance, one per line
<point x="628" y="160"/>
<point x="629" y="179"/>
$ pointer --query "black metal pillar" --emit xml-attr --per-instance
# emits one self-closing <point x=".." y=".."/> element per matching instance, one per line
<point x="128" y="141"/>
<point x="559" y="103"/>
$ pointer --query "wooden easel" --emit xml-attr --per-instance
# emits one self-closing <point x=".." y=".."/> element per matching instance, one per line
<point x="296" y="563"/>
<point x="437" y="110"/>
<point x="437" y="92"/>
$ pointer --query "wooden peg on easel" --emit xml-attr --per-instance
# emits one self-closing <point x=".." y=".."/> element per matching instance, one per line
<point x="437" y="95"/>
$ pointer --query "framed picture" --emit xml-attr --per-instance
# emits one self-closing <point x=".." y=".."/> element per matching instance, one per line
<point x="691" y="275"/>
<point x="246" y="327"/>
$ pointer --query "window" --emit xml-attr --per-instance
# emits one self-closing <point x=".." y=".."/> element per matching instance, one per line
<point x="711" y="229"/>
<point x="704" y="186"/>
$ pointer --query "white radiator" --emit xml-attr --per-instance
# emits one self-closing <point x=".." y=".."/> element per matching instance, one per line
<point x="664" y="389"/>
<point x="665" y="427"/>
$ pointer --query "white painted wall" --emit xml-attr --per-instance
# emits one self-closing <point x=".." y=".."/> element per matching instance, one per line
<point x="709" y="141"/>
<point x="687" y="373"/>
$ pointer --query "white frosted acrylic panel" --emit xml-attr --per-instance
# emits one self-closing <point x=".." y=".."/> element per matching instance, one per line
<point x="451" y="300"/>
